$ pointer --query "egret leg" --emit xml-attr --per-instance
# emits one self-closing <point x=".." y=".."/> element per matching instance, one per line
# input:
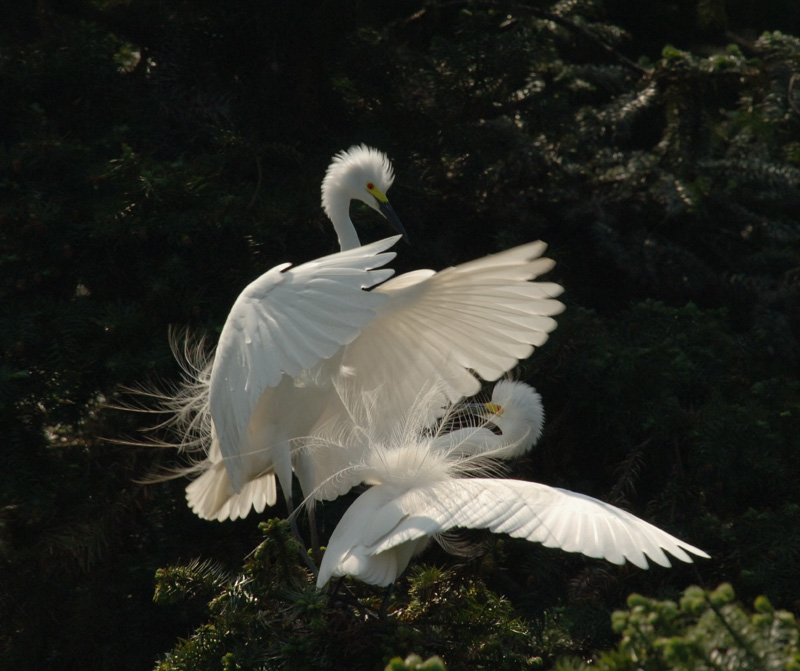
<point x="304" y="470"/>
<point x="316" y="554"/>
<point x="296" y="533"/>
<point x="383" y="612"/>
<point x="347" y="597"/>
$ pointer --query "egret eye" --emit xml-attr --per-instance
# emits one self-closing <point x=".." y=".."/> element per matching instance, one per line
<point x="370" y="186"/>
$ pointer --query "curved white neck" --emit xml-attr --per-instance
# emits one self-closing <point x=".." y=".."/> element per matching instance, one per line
<point x="340" y="218"/>
<point x="518" y="432"/>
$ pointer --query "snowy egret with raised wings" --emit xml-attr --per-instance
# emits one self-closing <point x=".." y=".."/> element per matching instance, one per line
<point x="295" y="334"/>
<point x="426" y="485"/>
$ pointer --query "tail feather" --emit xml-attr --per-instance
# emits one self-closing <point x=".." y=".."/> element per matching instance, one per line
<point x="211" y="496"/>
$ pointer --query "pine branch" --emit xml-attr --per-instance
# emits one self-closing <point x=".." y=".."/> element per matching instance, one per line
<point x="546" y="16"/>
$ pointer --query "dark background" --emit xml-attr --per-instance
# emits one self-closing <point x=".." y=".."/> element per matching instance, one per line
<point x="155" y="156"/>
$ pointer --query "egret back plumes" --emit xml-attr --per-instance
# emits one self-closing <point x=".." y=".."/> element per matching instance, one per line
<point x="427" y="485"/>
<point x="184" y="406"/>
<point x="414" y="453"/>
<point x="348" y="453"/>
<point x="296" y="333"/>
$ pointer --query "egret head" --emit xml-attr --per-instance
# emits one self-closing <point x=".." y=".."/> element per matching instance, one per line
<point x="516" y="404"/>
<point x="360" y="173"/>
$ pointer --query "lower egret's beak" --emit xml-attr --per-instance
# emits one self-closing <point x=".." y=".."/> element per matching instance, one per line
<point x="494" y="409"/>
<point x="388" y="211"/>
<point x="486" y="410"/>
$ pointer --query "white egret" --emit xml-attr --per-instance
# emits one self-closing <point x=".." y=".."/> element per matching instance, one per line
<point x="422" y="486"/>
<point x="343" y="447"/>
<point x="295" y="334"/>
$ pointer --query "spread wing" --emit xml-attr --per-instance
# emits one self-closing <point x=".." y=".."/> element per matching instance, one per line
<point x="551" y="516"/>
<point x="479" y="318"/>
<point x="346" y="553"/>
<point x="286" y="321"/>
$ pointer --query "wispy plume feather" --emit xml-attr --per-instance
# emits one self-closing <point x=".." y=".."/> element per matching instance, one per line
<point x="186" y="424"/>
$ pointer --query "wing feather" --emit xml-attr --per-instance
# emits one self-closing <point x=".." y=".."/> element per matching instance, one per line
<point x="284" y="322"/>
<point x="554" y="517"/>
<point x="211" y="495"/>
<point x="344" y="554"/>
<point x="478" y="319"/>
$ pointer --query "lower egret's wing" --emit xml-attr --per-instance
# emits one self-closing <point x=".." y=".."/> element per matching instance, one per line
<point x="554" y="517"/>
<point x="285" y="322"/>
<point x="479" y="318"/>
<point x="347" y="554"/>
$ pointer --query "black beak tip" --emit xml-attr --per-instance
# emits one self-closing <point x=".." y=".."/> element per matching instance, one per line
<point x="388" y="211"/>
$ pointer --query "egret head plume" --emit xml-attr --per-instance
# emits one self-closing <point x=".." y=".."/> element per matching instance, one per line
<point x="360" y="173"/>
<point x="517" y="408"/>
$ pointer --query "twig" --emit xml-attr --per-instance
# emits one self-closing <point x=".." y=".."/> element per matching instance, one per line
<point x="547" y="16"/>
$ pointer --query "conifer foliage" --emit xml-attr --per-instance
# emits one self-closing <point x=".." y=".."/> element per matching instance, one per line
<point x="704" y="630"/>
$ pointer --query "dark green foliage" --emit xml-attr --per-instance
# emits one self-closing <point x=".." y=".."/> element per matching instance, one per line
<point x="705" y="630"/>
<point x="157" y="156"/>
<point x="415" y="663"/>
<point x="267" y="612"/>
<point x="270" y="615"/>
<point x="708" y="446"/>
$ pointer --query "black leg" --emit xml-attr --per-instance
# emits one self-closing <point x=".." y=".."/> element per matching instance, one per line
<point x="296" y="533"/>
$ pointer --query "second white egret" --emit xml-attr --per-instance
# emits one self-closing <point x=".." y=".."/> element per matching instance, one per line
<point x="423" y="486"/>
